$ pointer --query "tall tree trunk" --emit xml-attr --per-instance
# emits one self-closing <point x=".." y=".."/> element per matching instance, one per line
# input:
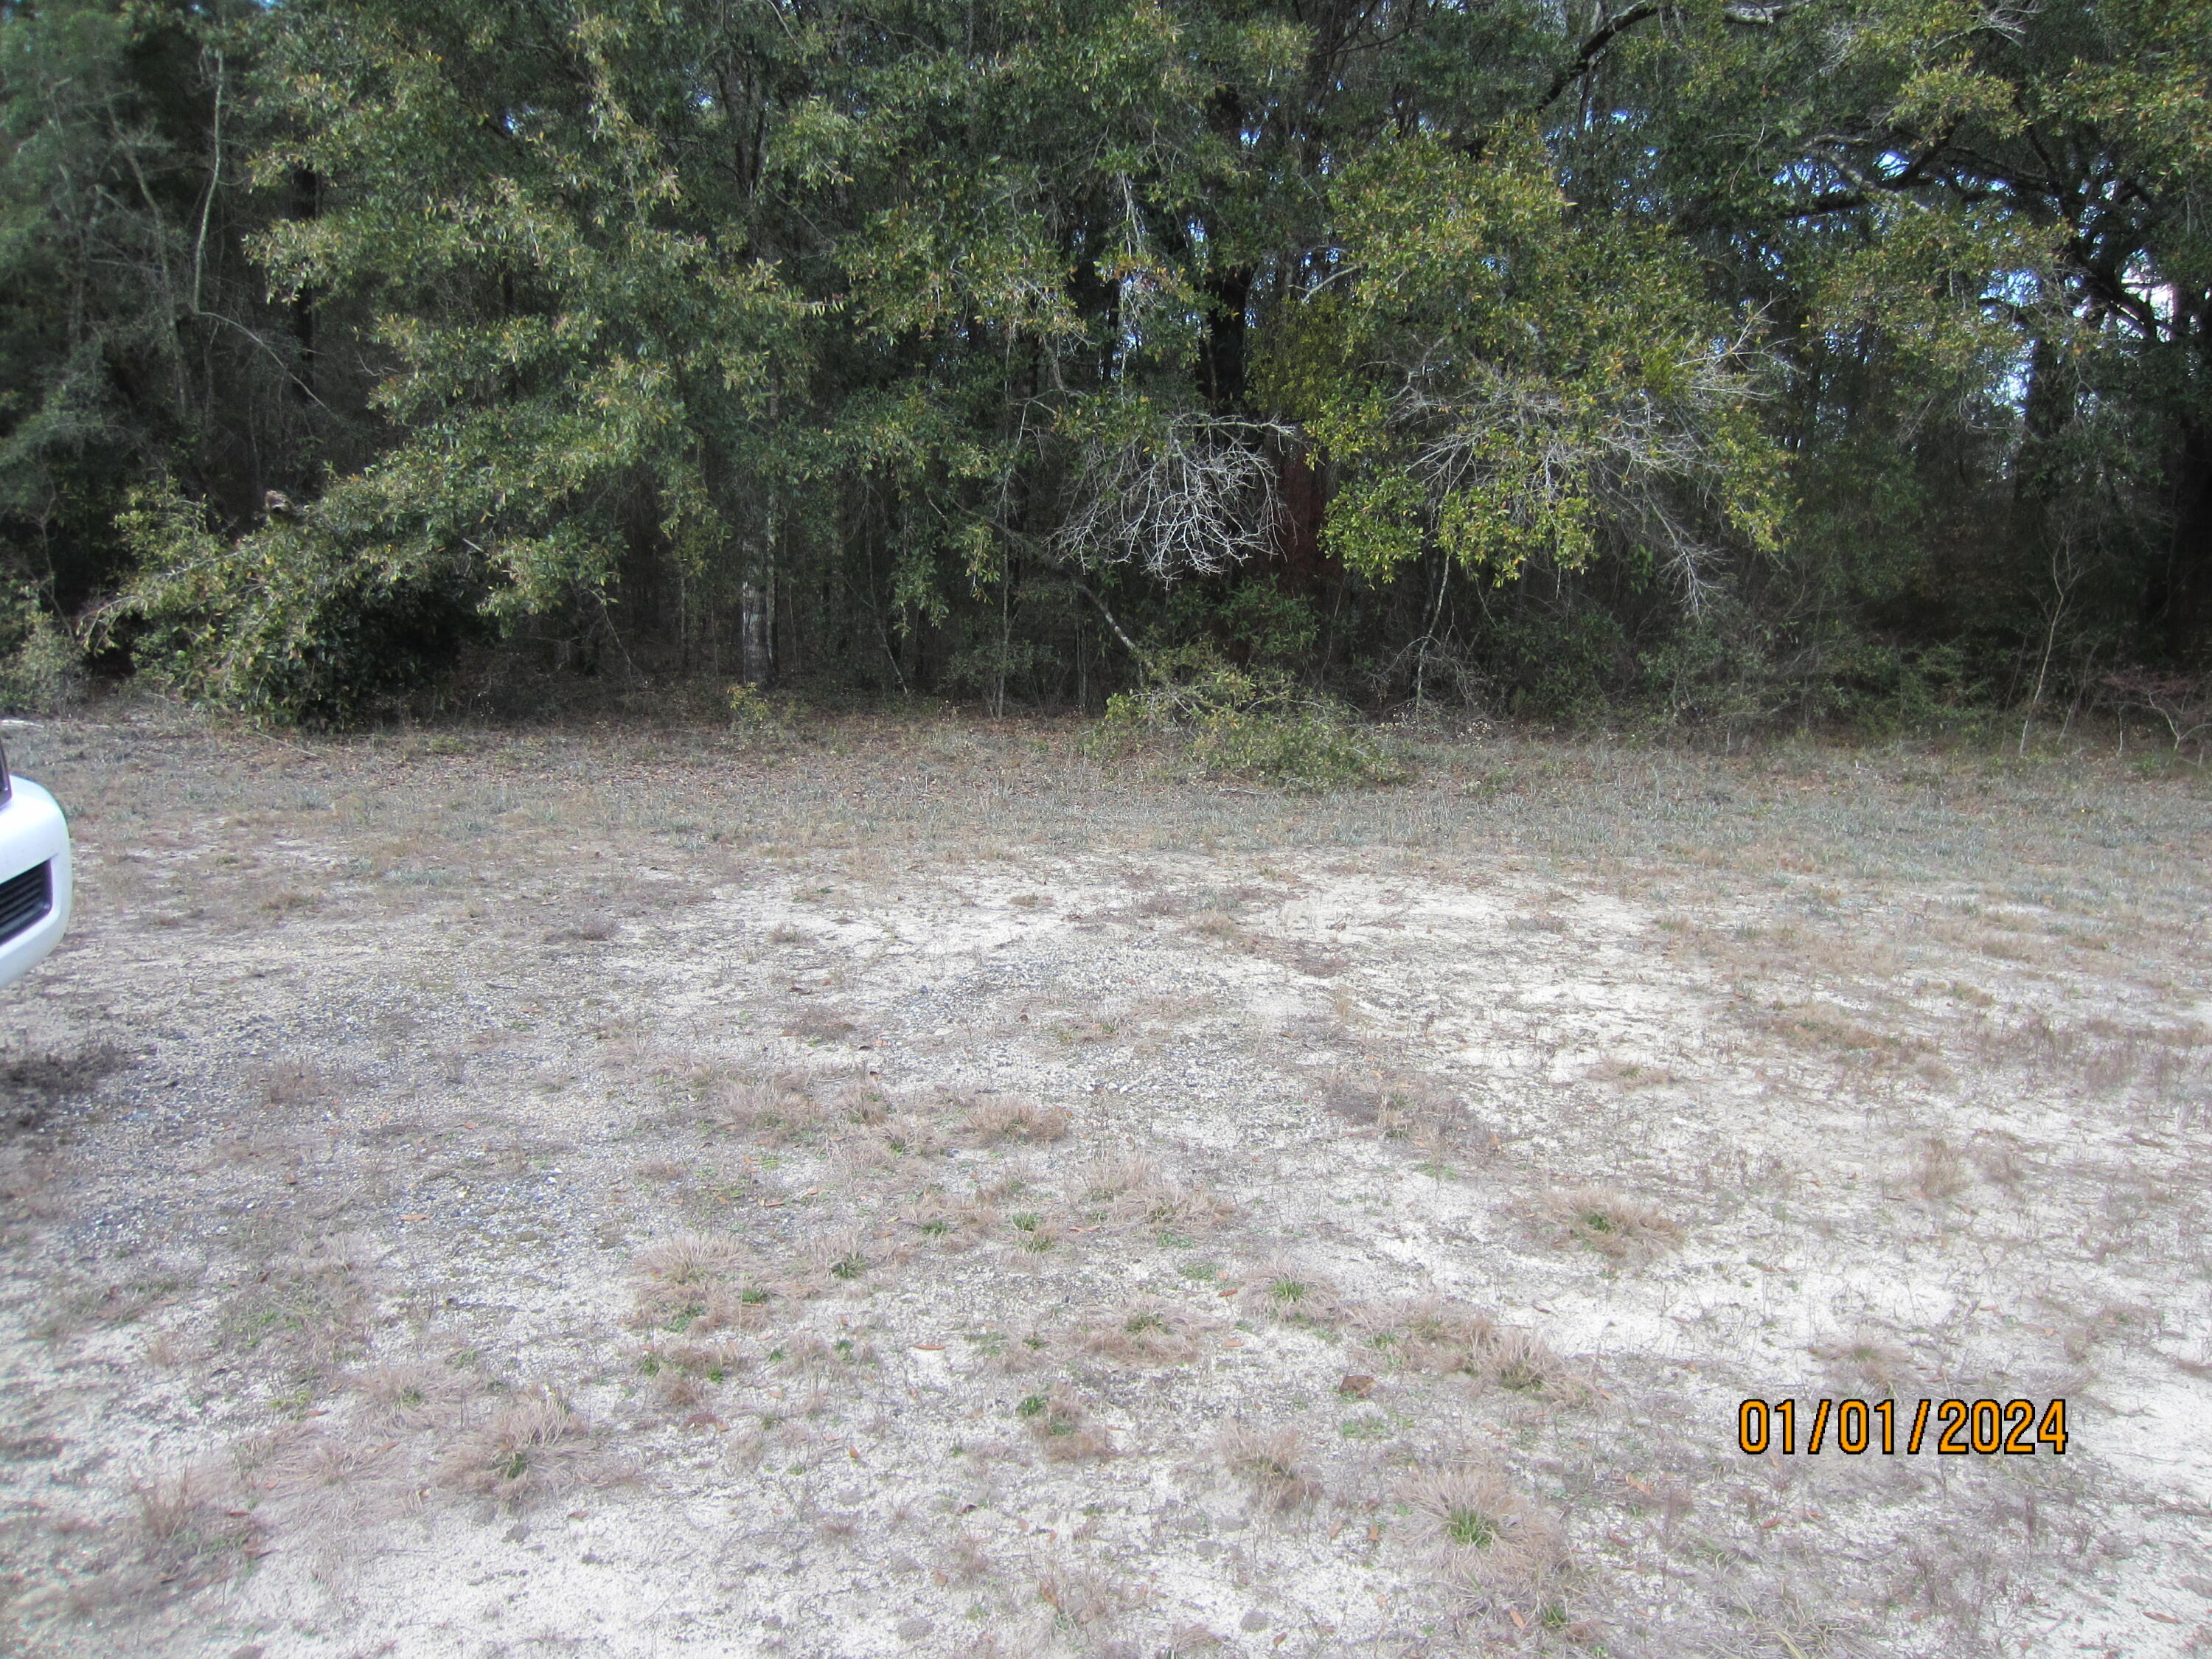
<point x="306" y="204"/>
<point x="2181" y="598"/>
<point x="1221" y="356"/>
<point x="754" y="618"/>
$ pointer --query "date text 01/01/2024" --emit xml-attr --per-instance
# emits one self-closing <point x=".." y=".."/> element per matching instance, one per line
<point x="2014" y="1427"/>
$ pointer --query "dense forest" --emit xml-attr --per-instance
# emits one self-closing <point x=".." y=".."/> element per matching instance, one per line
<point x="1722" y="360"/>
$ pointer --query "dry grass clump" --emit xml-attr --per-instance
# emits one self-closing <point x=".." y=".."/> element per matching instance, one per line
<point x="1400" y="1107"/>
<point x="819" y="1026"/>
<point x="963" y="1559"/>
<point x="1081" y="1595"/>
<point x="1143" y="1334"/>
<point x="590" y="928"/>
<point x="1938" y="1171"/>
<point x="1614" y="1224"/>
<point x="527" y="1447"/>
<point x="1292" y="1295"/>
<point x="329" y="1486"/>
<point x="856" y="1157"/>
<point x="413" y="1395"/>
<point x="934" y="1216"/>
<point x="313" y="1312"/>
<point x="1158" y="903"/>
<point x="1428" y="1335"/>
<point x="773" y="1110"/>
<point x="1060" y="1423"/>
<point x="716" y="1362"/>
<point x="911" y="1135"/>
<point x="1629" y="1074"/>
<point x="1271" y="1463"/>
<point x="1033" y="1231"/>
<point x="293" y="1082"/>
<point x="1016" y="1117"/>
<point x="190" y="1532"/>
<point x="1080" y="1029"/>
<point x="1136" y="1190"/>
<point x="1112" y="1175"/>
<point x="1446" y="1339"/>
<point x="689" y="1260"/>
<point x="1494" y="1544"/>
<point x="1825" y="1028"/>
<point x="690" y="1283"/>
<point x="865" y="1104"/>
<point x="1007" y="1355"/>
<point x="286" y="900"/>
<point x="962" y="1226"/>
<point x="1521" y="1362"/>
<point x="838" y="1256"/>
<point x="685" y="1393"/>
<point x="1868" y="1363"/>
<point x="742" y="1306"/>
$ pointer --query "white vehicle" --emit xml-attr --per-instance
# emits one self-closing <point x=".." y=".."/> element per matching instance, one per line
<point x="35" y="874"/>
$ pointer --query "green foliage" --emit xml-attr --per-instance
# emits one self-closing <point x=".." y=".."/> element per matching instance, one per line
<point x="1247" y="723"/>
<point x="1515" y="386"/>
<point x="1563" y="667"/>
<point x="41" y="668"/>
<point x="1725" y="363"/>
<point x="137" y="341"/>
<point x="1252" y="621"/>
<point x="754" y="716"/>
<point x="322" y="619"/>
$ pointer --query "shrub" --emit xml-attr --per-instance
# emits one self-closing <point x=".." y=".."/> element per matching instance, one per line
<point x="318" y="618"/>
<point x="754" y="718"/>
<point x="41" y="666"/>
<point x="1248" y="722"/>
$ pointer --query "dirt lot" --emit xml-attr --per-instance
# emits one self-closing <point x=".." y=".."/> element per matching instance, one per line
<point x="913" y="1191"/>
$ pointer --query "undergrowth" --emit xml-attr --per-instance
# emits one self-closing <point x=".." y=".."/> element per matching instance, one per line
<point x="1247" y="722"/>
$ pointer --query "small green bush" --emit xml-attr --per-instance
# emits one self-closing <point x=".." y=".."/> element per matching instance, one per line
<point x="41" y="665"/>
<point x="754" y="716"/>
<point x="1248" y="722"/>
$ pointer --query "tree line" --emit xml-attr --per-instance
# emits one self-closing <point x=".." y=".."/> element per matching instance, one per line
<point x="1725" y="359"/>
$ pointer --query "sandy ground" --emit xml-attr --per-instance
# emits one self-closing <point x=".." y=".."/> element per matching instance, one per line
<point x="914" y="1191"/>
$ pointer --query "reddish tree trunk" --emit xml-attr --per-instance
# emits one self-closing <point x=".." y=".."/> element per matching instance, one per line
<point x="1298" y="557"/>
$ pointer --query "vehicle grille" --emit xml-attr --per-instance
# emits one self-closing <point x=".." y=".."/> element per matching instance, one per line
<point x="25" y="898"/>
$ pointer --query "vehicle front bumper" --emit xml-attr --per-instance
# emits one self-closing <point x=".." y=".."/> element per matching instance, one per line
<point x="32" y="832"/>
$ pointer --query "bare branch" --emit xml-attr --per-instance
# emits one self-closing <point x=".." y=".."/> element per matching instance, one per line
<point x="1189" y="498"/>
